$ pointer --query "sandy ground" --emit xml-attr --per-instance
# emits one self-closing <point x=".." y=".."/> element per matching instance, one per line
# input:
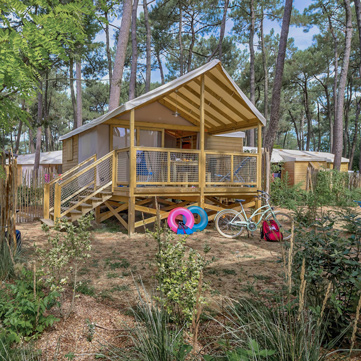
<point x="110" y="279"/>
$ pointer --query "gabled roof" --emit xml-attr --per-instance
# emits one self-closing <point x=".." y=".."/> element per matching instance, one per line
<point x="226" y="106"/>
<point x="55" y="157"/>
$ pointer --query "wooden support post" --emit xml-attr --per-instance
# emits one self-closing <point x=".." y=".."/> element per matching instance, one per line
<point x="115" y="170"/>
<point x="57" y="201"/>
<point x="133" y="176"/>
<point x="97" y="214"/>
<point x="202" y="160"/>
<point x="259" y="167"/>
<point x="46" y="200"/>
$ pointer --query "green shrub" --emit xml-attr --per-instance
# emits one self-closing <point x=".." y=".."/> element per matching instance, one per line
<point x="23" y="307"/>
<point x="178" y="275"/>
<point x="285" y="195"/>
<point x="330" y="257"/>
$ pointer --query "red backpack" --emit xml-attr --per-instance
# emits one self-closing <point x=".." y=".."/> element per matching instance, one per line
<point x="271" y="232"/>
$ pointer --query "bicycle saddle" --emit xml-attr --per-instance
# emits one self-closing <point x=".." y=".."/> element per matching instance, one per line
<point x="240" y="200"/>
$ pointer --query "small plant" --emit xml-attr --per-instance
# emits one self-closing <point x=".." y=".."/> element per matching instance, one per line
<point x="23" y="308"/>
<point x="90" y="330"/>
<point x="85" y="288"/>
<point x="179" y="270"/>
<point x="67" y="251"/>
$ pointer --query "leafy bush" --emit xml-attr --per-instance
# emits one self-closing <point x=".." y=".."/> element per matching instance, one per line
<point x="178" y="275"/>
<point x="23" y="307"/>
<point x="331" y="257"/>
<point x="68" y="250"/>
<point x="285" y="195"/>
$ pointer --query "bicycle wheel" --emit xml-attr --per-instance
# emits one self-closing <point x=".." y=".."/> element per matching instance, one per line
<point x="223" y="225"/>
<point x="284" y="222"/>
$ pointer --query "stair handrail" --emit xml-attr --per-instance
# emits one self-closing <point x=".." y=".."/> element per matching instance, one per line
<point x="58" y="186"/>
<point x="47" y="186"/>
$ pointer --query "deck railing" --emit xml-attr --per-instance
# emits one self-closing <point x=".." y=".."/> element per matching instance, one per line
<point x="230" y="169"/>
<point x="168" y="167"/>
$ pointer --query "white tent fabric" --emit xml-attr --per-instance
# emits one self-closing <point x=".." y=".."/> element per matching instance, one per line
<point x="292" y="155"/>
<point x="55" y="157"/>
<point x="162" y="91"/>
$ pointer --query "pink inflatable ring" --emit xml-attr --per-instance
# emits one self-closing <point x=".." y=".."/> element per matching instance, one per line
<point x="180" y="211"/>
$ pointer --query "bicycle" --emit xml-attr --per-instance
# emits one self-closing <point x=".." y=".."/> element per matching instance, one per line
<point x="231" y="223"/>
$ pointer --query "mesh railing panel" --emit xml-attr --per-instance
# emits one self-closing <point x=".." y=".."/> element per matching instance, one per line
<point x="62" y="178"/>
<point x="184" y="167"/>
<point x="219" y="169"/>
<point x="86" y="182"/>
<point x="123" y="167"/>
<point x="244" y="169"/>
<point x="167" y="168"/>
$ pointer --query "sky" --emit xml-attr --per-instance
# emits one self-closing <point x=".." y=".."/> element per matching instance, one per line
<point x="302" y="40"/>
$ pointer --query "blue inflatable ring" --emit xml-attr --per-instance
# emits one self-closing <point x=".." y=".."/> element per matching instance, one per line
<point x="198" y="227"/>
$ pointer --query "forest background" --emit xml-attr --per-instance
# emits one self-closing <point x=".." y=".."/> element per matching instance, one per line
<point x="65" y="62"/>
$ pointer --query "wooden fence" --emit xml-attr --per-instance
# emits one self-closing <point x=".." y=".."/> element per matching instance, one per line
<point x="30" y="194"/>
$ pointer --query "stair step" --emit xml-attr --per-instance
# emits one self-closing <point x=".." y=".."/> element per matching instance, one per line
<point x="82" y="204"/>
<point x="106" y="193"/>
<point x="92" y="198"/>
<point x="75" y="211"/>
<point x="48" y="222"/>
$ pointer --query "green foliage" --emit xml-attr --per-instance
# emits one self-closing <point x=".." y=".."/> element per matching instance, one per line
<point x="178" y="276"/>
<point x="252" y="353"/>
<point x="330" y="257"/>
<point x="285" y="195"/>
<point x="18" y="353"/>
<point x="60" y="263"/>
<point x="7" y="264"/>
<point x="153" y="337"/>
<point x="256" y="330"/>
<point x="23" y="307"/>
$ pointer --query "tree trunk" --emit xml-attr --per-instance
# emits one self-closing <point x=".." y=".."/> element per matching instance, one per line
<point x="276" y="93"/>
<point x="107" y="47"/>
<point x="251" y="137"/>
<point x="265" y="70"/>
<point x="38" y="132"/>
<point x="18" y="136"/>
<point x="120" y="55"/>
<point x="160" y="68"/>
<point x="31" y="137"/>
<point x="148" y="68"/>
<point x="354" y="140"/>
<point x="302" y="133"/>
<point x="193" y="39"/>
<point x="79" y="101"/>
<point x="338" y="139"/>
<point x="180" y="39"/>
<point x="308" y="116"/>
<point x="222" y="31"/>
<point x="296" y="129"/>
<point x="72" y="92"/>
<point x="133" y="72"/>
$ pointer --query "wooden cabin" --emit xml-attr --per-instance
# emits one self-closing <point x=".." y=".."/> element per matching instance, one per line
<point x="163" y="145"/>
<point x="50" y="165"/>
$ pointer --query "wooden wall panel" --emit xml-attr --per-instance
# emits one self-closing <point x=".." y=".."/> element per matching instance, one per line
<point x="70" y="153"/>
<point x="228" y="144"/>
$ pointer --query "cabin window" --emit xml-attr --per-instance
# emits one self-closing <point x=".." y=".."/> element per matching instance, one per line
<point x="121" y="137"/>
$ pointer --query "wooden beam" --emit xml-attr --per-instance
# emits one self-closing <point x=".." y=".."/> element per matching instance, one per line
<point x="132" y="176"/>
<point x="202" y="158"/>
<point x="214" y="107"/>
<point x="151" y="125"/>
<point x="46" y="200"/>
<point x="119" y="218"/>
<point x="231" y="127"/>
<point x="224" y="102"/>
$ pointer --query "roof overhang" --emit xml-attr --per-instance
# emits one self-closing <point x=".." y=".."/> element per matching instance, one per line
<point x="226" y="106"/>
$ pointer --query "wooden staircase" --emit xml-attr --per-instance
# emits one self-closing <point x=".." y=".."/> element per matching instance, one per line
<point x="80" y="190"/>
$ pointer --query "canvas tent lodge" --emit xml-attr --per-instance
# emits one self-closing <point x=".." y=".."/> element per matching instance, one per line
<point x="163" y="144"/>
<point x="50" y="165"/>
<point x="297" y="163"/>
